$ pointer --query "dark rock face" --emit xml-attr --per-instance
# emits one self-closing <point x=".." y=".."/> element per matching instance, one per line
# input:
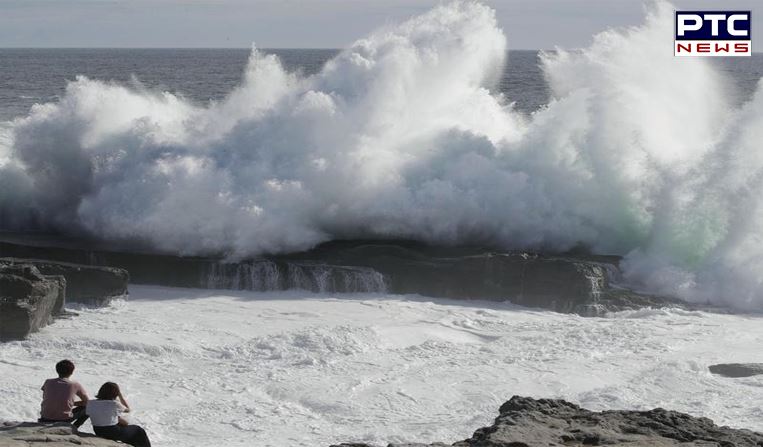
<point x="92" y="285"/>
<point x="32" y="292"/>
<point x="415" y="444"/>
<point x="737" y="369"/>
<point x="524" y="421"/>
<point x="527" y="422"/>
<point x="262" y="274"/>
<point x="578" y="284"/>
<point x="552" y="283"/>
<point x="569" y="284"/>
<point x="28" y="300"/>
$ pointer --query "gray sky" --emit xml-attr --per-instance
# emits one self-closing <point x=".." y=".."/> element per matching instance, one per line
<point x="529" y="24"/>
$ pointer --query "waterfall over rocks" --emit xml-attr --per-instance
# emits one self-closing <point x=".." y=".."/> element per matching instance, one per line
<point x="266" y="275"/>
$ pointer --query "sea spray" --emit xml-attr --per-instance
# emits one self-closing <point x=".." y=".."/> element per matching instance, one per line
<point x="636" y="153"/>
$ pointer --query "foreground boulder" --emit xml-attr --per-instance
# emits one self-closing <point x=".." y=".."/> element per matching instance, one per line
<point x="527" y="422"/>
<point x="85" y="284"/>
<point x="30" y="434"/>
<point x="28" y="300"/>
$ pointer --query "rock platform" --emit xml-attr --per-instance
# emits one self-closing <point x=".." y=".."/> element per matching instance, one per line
<point x="32" y="434"/>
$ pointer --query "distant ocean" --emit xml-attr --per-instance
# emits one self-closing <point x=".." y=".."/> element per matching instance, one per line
<point x="31" y="76"/>
<point x="40" y="75"/>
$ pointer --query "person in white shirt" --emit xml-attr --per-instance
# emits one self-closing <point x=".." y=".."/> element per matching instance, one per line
<point x="105" y="412"/>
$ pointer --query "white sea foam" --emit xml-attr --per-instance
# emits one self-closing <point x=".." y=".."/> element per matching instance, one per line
<point x="229" y="368"/>
<point x="637" y="153"/>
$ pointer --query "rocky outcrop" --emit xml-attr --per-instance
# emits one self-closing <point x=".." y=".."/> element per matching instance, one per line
<point x="737" y="369"/>
<point x="28" y="300"/>
<point x="527" y="422"/>
<point x="32" y="292"/>
<point x="549" y="422"/>
<point x="564" y="283"/>
<point x="91" y="285"/>
<point x="30" y="434"/>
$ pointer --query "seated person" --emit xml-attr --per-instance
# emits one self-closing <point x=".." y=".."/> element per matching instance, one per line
<point x="58" y="397"/>
<point x="104" y="414"/>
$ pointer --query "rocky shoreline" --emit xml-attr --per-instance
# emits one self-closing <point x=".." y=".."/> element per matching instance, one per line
<point x="568" y="283"/>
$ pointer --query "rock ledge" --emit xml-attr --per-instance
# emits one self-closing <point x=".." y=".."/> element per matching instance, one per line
<point x="32" y="434"/>
<point x="28" y="300"/>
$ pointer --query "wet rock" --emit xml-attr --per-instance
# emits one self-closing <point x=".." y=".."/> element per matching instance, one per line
<point x="91" y="285"/>
<point x="737" y="369"/>
<point x="32" y="434"/>
<point x="524" y="421"/>
<point x="415" y="444"/>
<point x="572" y="283"/>
<point x="28" y="300"/>
<point x="564" y="283"/>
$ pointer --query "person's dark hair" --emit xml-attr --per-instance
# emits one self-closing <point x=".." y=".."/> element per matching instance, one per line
<point x="64" y="368"/>
<point x="108" y="391"/>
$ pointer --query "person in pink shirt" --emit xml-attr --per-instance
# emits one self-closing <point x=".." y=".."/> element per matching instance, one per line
<point x="58" y="397"/>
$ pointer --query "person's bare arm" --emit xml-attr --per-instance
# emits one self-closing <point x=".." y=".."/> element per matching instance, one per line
<point x="124" y="402"/>
<point x="122" y="422"/>
<point x="82" y="394"/>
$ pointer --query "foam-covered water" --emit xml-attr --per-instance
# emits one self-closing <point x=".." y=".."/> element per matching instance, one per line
<point x="203" y="367"/>
<point x="402" y="135"/>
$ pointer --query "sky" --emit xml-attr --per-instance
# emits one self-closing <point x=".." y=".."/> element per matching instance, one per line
<point x="529" y="24"/>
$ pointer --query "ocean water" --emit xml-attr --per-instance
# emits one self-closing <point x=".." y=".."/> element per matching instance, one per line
<point x="212" y="367"/>
<point x="33" y="76"/>
<point x="40" y="75"/>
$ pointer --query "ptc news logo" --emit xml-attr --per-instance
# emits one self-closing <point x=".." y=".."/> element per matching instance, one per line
<point x="713" y="33"/>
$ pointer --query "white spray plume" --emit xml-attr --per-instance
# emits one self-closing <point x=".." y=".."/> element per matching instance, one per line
<point x="637" y="153"/>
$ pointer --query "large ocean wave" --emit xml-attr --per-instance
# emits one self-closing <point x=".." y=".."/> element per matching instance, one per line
<point x="636" y="153"/>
